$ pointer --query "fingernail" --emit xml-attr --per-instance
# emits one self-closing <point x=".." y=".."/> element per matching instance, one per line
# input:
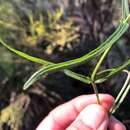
<point x="93" y="116"/>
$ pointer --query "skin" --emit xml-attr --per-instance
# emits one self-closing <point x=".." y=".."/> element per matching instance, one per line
<point x="82" y="113"/>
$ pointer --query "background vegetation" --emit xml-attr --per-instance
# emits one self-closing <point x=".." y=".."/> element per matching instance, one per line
<point x="57" y="30"/>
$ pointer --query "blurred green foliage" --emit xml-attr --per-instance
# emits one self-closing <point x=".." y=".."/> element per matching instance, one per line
<point x="24" y="24"/>
<point x="28" y="23"/>
<point x="6" y="62"/>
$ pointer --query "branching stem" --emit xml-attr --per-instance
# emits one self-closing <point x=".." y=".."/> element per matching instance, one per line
<point x="99" y="63"/>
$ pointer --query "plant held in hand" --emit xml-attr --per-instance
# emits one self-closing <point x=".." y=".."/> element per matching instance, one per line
<point x="96" y="77"/>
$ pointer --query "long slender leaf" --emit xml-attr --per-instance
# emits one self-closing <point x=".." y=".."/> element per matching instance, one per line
<point x="24" y="55"/>
<point x="125" y="9"/>
<point x="101" y="77"/>
<point x="35" y="59"/>
<point x="125" y="17"/>
<point x="77" y="76"/>
<point x="64" y="65"/>
<point x="38" y="60"/>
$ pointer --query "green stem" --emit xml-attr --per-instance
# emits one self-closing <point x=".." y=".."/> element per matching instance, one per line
<point x="121" y="99"/>
<point x="123" y="88"/>
<point x="122" y="94"/>
<point x="96" y="92"/>
<point x="126" y="20"/>
<point x="104" y="55"/>
<point x="95" y="71"/>
<point x="99" y="63"/>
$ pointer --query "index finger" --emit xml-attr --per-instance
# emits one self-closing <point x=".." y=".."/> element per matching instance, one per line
<point x="65" y="114"/>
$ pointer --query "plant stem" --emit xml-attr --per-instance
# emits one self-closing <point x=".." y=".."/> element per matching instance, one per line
<point x="123" y="88"/>
<point x="96" y="92"/>
<point x="121" y="99"/>
<point x="99" y="63"/>
<point x="122" y="94"/>
<point x="126" y="20"/>
<point x="95" y="71"/>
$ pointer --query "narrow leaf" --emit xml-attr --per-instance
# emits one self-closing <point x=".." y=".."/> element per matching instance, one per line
<point x="64" y="65"/>
<point x="103" y="76"/>
<point x="24" y="55"/>
<point x="100" y="77"/>
<point x="125" y="9"/>
<point x="77" y="76"/>
<point x="126" y="16"/>
<point x="28" y="57"/>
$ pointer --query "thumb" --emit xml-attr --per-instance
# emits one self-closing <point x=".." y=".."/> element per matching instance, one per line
<point x="93" y="117"/>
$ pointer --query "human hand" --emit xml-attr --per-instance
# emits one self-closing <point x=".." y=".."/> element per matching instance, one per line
<point x="82" y="113"/>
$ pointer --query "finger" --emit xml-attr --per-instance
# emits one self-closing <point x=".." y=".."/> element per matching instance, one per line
<point x="65" y="114"/>
<point x="93" y="117"/>
<point x="115" y="124"/>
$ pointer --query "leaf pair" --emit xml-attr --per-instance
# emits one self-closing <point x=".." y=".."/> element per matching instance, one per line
<point x="104" y="75"/>
<point x="51" y="67"/>
<point x="64" y="65"/>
